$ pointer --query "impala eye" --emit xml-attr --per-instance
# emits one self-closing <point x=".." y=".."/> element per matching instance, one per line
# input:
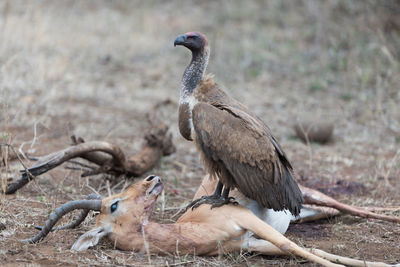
<point x="114" y="206"/>
<point x="151" y="177"/>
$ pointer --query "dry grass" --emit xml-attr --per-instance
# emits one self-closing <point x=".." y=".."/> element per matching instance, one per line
<point x="93" y="68"/>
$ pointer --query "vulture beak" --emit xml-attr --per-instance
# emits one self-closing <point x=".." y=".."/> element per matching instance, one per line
<point x="180" y="40"/>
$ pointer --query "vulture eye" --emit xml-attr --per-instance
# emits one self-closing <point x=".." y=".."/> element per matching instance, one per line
<point x="114" y="206"/>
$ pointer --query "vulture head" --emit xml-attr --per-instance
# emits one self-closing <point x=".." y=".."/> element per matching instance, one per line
<point x="194" y="41"/>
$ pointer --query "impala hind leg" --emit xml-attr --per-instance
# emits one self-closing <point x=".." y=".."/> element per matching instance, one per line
<point x="267" y="248"/>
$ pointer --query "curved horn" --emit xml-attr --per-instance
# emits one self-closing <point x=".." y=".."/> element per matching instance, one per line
<point x="78" y="220"/>
<point x="91" y="204"/>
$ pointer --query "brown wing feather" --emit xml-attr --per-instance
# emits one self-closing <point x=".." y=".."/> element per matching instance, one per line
<point x="251" y="155"/>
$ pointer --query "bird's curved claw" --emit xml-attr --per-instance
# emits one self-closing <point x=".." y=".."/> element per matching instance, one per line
<point x="214" y="200"/>
<point x="229" y="200"/>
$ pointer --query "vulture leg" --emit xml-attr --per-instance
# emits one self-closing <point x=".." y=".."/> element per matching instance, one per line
<point x="226" y="199"/>
<point x="217" y="199"/>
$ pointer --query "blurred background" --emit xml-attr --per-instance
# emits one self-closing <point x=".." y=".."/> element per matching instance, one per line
<point x="94" y="68"/>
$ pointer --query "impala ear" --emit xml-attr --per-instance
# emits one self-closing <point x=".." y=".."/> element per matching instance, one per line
<point x="89" y="239"/>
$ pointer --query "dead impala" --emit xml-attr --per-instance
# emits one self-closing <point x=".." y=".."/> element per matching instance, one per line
<point x="125" y="219"/>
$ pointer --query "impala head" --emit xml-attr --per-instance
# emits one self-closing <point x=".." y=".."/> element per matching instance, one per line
<point x="123" y="212"/>
<point x="134" y="205"/>
<point x="118" y="213"/>
<point x="194" y="41"/>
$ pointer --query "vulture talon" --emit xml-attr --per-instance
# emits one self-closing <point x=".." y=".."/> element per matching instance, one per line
<point x="217" y="199"/>
<point x="224" y="201"/>
<point x="203" y="200"/>
<point x="214" y="200"/>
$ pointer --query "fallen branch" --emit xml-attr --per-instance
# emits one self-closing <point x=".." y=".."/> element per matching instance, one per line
<point x="109" y="158"/>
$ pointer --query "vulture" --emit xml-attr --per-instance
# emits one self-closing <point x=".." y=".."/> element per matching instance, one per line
<point x="235" y="145"/>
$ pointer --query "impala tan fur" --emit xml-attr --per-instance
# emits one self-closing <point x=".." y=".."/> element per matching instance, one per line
<point x="125" y="219"/>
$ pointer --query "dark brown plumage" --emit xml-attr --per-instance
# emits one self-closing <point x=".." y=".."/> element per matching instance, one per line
<point x="235" y="144"/>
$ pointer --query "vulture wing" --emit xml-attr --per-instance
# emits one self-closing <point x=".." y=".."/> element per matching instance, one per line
<point x="249" y="152"/>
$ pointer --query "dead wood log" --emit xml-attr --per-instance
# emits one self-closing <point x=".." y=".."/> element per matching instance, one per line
<point x="109" y="158"/>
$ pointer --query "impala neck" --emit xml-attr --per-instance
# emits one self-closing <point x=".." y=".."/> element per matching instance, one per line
<point x="160" y="238"/>
<point x="194" y="73"/>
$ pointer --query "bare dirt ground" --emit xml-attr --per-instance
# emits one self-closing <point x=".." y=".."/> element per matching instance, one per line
<point x="94" y="68"/>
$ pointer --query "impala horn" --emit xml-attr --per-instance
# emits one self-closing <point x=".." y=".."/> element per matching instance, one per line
<point x="92" y="202"/>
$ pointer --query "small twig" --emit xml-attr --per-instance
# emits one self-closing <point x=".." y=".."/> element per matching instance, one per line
<point x="5" y="161"/>
<point x="308" y="144"/>
<point x="391" y="164"/>
<point x="180" y="263"/>
<point x="21" y="151"/>
<point x="108" y="188"/>
<point x="34" y="134"/>
<point x="146" y="245"/>
<point x="91" y="188"/>
<point x="180" y="165"/>
<point x="29" y="176"/>
<point x="19" y="158"/>
<point x="162" y="203"/>
<point x="116" y="185"/>
<point x="124" y="186"/>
